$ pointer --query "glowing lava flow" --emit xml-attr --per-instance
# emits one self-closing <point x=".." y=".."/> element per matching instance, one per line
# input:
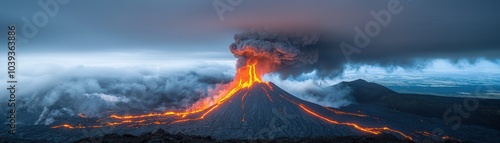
<point x="244" y="81"/>
<point x="345" y="113"/>
<point x="375" y="131"/>
<point x="81" y="115"/>
<point x="245" y="77"/>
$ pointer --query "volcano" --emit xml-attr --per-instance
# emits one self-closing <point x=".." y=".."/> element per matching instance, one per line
<point x="254" y="109"/>
<point x="264" y="110"/>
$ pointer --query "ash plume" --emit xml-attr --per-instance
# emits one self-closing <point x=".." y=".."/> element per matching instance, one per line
<point x="292" y="54"/>
<point x="274" y="50"/>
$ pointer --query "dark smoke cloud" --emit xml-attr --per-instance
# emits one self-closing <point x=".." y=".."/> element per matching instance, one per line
<point x="453" y="30"/>
<point x="392" y="53"/>
<point x="275" y="50"/>
<point x="293" y="55"/>
<point x="100" y="91"/>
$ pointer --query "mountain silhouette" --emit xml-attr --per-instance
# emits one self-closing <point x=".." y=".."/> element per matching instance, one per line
<point x="486" y="114"/>
<point x="265" y="111"/>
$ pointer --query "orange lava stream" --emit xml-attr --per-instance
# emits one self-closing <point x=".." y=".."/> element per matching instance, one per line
<point x="75" y="127"/>
<point x="375" y="131"/>
<point x="267" y="94"/>
<point x="81" y="115"/>
<point x="345" y="113"/>
<point x="243" y="106"/>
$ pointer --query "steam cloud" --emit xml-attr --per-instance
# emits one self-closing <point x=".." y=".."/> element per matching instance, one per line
<point x="308" y="87"/>
<point x="96" y="91"/>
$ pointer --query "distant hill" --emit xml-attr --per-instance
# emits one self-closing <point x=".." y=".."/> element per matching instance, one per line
<point x="487" y="113"/>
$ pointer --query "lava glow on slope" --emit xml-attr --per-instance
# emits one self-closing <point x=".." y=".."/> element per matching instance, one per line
<point x="375" y="131"/>
<point x="245" y="77"/>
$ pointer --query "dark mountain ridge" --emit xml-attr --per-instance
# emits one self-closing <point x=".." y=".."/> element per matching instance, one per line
<point x="485" y="113"/>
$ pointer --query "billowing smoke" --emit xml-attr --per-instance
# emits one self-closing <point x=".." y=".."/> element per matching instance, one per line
<point x="310" y="88"/>
<point x="274" y="50"/>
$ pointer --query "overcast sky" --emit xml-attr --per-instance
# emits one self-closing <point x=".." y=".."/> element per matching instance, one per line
<point x="153" y="30"/>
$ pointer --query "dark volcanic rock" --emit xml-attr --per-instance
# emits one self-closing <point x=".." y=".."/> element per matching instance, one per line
<point x="487" y="112"/>
<point x="181" y="138"/>
<point x="366" y="92"/>
<point x="159" y="136"/>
